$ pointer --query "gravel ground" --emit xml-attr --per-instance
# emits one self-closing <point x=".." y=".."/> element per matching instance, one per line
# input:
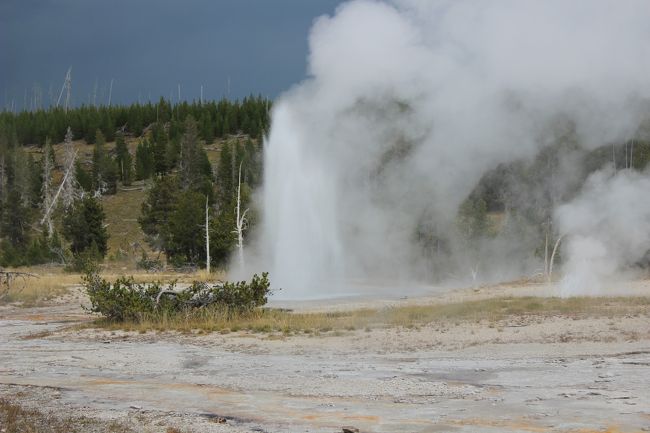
<point x="524" y="374"/>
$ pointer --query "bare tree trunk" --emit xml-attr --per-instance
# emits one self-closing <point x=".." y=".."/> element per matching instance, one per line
<point x="546" y="253"/>
<point x="69" y="181"/>
<point x="67" y="184"/>
<point x="110" y="93"/>
<point x="240" y="223"/>
<point x="550" y="268"/>
<point x="47" y="187"/>
<point x="207" y="237"/>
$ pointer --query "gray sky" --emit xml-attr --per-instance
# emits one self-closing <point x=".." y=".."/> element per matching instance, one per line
<point x="150" y="46"/>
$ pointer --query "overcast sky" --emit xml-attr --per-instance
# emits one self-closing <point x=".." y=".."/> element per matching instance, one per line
<point x="148" y="47"/>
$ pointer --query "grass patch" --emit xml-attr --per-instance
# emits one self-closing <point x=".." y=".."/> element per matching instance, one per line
<point x="32" y="291"/>
<point x="16" y="419"/>
<point x="55" y="282"/>
<point x="332" y="323"/>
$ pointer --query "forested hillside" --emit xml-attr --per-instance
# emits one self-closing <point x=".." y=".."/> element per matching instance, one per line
<point x="69" y="181"/>
<point x="131" y="184"/>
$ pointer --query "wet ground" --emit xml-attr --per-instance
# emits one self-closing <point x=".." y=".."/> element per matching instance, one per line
<point x="560" y="374"/>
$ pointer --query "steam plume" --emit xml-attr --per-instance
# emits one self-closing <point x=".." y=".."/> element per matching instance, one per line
<point x="410" y="103"/>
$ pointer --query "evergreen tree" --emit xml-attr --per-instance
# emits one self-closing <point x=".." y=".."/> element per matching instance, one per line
<point x="104" y="173"/>
<point x="222" y="236"/>
<point x="83" y="226"/>
<point x="173" y="152"/>
<point x="226" y="176"/>
<point x="156" y="210"/>
<point x="123" y="160"/>
<point x="159" y="149"/>
<point x="17" y="218"/>
<point x="195" y="168"/>
<point x="206" y="127"/>
<point x="84" y="179"/>
<point x="144" y="163"/>
<point x="186" y="243"/>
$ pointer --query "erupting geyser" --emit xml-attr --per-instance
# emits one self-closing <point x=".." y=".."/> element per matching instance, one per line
<point x="410" y="103"/>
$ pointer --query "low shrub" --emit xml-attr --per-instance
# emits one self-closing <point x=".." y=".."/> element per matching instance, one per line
<point x="149" y="265"/>
<point x="128" y="300"/>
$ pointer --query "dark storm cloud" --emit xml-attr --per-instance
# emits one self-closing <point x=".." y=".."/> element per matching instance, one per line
<point x="150" y="46"/>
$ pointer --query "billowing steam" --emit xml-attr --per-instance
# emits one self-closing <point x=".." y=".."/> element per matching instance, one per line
<point x="411" y="102"/>
<point x="608" y="227"/>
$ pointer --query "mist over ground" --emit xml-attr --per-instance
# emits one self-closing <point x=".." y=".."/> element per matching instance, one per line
<point x="376" y="165"/>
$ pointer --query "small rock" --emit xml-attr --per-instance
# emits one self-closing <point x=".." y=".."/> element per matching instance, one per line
<point x="135" y="407"/>
<point x="219" y="420"/>
<point x="349" y="429"/>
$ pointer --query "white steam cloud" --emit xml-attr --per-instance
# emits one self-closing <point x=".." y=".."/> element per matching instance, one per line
<point x="608" y="228"/>
<point x="409" y="103"/>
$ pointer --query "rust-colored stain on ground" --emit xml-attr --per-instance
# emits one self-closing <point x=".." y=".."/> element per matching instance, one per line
<point x="610" y="429"/>
<point x="502" y="424"/>
<point x="339" y="415"/>
<point x="185" y="386"/>
<point x="104" y="381"/>
<point x="524" y="426"/>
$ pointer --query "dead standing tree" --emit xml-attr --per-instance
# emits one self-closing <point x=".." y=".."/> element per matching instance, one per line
<point x="7" y="278"/>
<point x="241" y="223"/>
<point x="67" y="86"/>
<point x="68" y="185"/>
<point x="48" y="199"/>
<point x="207" y="236"/>
<point x="550" y="267"/>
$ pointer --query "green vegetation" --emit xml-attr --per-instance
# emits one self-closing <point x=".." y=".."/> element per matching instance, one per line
<point x="127" y="300"/>
<point x="153" y="167"/>
<point x="83" y="227"/>
<point x="173" y="212"/>
<point x="491" y="311"/>
<point x="217" y="119"/>
<point x="160" y="145"/>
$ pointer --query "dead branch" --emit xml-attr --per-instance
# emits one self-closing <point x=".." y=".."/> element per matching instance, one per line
<point x="8" y="277"/>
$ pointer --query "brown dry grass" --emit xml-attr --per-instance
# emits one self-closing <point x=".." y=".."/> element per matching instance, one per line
<point x="286" y="322"/>
<point x="51" y="283"/>
<point x="30" y="291"/>
<point x="126" y="240"/>
<point x="16" y="419"/>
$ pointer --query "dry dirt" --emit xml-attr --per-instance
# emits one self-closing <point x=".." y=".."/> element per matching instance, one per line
<point x="525" y="374"/>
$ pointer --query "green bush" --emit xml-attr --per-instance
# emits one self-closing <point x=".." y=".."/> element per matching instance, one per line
<point x="149" y="265"/>
<point x="238" y="296"/>
<point x="128" y="300"/>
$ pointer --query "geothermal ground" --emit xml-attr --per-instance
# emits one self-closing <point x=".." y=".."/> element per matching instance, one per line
<point x="527" y="373"/>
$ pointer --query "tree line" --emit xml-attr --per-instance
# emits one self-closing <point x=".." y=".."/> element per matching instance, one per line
<point x="43" y="219"/>
<point x="215" y="119"/>
<point x="46" y="219"/>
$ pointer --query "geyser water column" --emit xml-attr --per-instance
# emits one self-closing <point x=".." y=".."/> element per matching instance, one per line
<point x="409" y="103"/>
<point x="301" y="234"/>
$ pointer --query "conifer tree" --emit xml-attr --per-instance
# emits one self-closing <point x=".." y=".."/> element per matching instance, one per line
<point x="123" y="159"/>
<point x="83" y="226"/>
